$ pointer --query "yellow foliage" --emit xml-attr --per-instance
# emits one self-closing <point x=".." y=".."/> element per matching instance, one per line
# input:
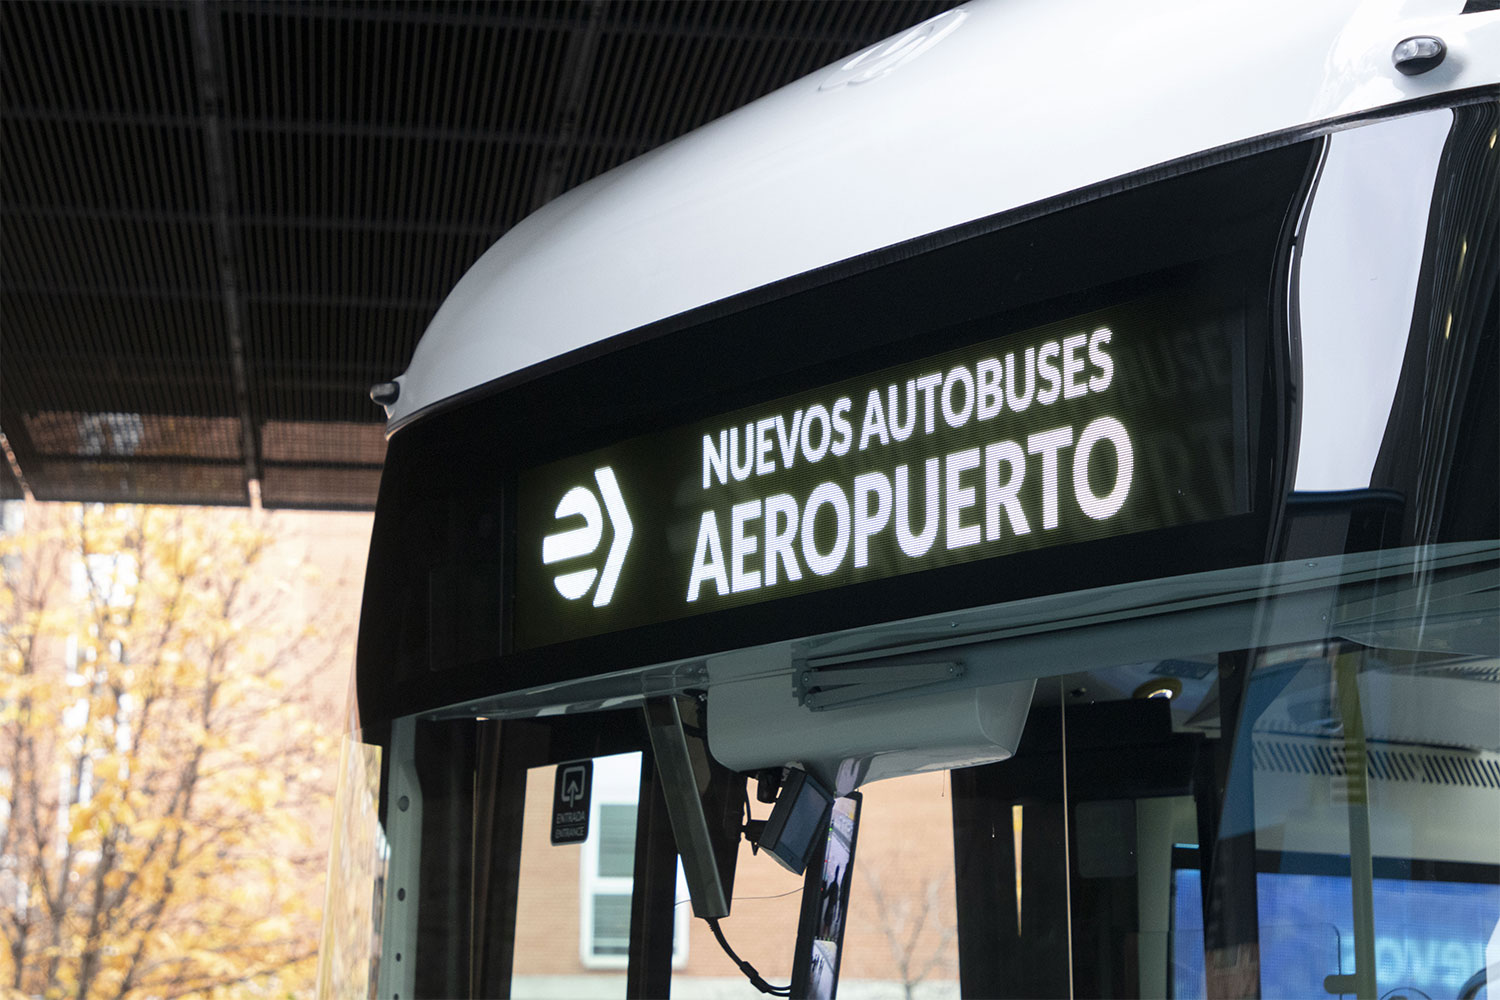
<point x="160" y="765"/>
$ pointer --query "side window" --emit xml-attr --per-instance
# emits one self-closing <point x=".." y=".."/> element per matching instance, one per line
<point x="606" y="865"/>
<point x="606" y="884"/>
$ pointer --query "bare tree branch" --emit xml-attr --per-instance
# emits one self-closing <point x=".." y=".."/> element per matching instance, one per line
<point x="160" y="786"/>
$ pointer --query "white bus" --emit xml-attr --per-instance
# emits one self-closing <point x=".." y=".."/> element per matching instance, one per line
<point x="1087" y="408"/>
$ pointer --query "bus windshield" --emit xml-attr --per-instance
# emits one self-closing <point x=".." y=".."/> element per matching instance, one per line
<point x="1134" y="562"/>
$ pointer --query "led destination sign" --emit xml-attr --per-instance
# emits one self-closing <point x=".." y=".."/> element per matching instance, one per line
<point x="1120" y="421"/>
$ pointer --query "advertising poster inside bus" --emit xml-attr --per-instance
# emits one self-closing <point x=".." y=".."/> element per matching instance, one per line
<point x="825" y="904"/>
<point x="1430" y="934"/>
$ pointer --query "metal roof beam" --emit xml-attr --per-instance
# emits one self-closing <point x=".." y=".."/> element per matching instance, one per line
<point x="578" y="70"/>
<point x="208" y="61"/>
<point x="166" y="294"/>
<point x="348" y="129"/>
<point x="850" y="27"/>
<point x="326" y="222"/>
<point x="158" y="459"/>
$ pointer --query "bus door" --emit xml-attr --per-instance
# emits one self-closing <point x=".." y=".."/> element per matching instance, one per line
<point x="529" y="857"/>
<point x="1056" y="848"/>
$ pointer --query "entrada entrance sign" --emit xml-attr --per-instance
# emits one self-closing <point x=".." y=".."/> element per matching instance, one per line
<point x="1123" y="420"/>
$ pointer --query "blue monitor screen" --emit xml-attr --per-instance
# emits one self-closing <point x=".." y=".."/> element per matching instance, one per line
<point x="1430" y="936"/>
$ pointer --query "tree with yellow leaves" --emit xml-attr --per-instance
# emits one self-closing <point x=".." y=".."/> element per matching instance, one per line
<point x="159" y="765"/>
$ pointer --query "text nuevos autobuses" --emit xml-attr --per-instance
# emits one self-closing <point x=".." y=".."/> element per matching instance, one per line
<point x="968" y="496"/>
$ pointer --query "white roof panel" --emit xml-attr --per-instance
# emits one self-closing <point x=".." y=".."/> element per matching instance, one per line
<point x="982" y="110"/>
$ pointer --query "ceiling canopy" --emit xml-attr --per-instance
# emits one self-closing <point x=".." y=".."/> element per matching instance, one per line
<point x="220" y="223"/>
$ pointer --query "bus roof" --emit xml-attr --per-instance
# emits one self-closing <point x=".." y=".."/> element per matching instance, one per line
<point x="979" y="111"/>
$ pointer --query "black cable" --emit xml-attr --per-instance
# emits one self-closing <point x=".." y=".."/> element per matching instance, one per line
<point x="746" y="967"/>
<point x="737" y="899"/>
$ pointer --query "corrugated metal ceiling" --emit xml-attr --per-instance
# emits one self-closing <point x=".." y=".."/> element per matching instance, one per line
<point x="220" y="223"/>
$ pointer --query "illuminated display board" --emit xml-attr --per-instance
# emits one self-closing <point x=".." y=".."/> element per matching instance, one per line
<point x="1124" y="420"/>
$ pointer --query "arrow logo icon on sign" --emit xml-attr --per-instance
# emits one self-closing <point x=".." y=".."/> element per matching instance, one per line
<point x="574" y="543"/>
<point x="574" y="782"/>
